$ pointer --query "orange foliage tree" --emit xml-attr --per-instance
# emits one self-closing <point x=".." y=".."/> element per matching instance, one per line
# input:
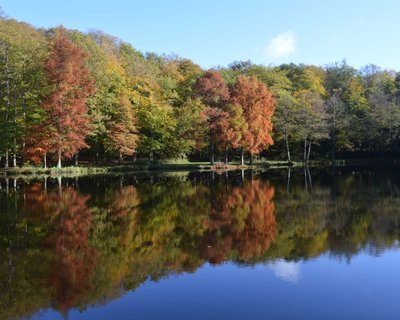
<point x="67" y="122"/>
<point x="258" y="106"/>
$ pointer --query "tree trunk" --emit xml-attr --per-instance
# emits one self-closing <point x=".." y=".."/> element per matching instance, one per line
<point x="287" y="149"/>
<point x="77" y="159"/>
<point x="6" y="159"/>
<point x="45" y="160"/>
<point x="305" y="151"/>
<point x="251" y="159"/>
<point x="59" y="159"/>
<point x="24" y="130"/>
<point x="120" y="158"/>
<point x="242" y="157"/>
<point x="23" y="150"/>
<point x="226" y="155"/>
<point x="14" y="162"/>
<point x="8" y="105"/>
<point x="212" y="154"/>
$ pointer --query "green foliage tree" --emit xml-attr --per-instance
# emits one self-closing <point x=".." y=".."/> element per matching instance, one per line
<point x="312" y="114"/>
<point x="23" y="50"/>
<point x="159" y="106"/>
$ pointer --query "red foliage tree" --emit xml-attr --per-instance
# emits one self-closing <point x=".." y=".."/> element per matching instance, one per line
<point x="258" y="106"/>
<point x="67" y="121"/>
<point x="211" y="88"/>
<point x="218" y="125"/>
<point x="38" y="144"/>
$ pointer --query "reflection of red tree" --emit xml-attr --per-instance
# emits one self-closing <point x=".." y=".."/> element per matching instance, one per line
<point x="70" y="221"/>
<point x="125" y="204"/>
<point x="242" y="220"/>
<point x="259" y="230"/>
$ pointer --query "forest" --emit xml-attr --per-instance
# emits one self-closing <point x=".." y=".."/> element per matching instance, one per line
<point x="68" y="96"/>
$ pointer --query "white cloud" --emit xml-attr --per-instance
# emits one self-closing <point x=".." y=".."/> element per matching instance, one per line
<point x="281" y="46"/>
<point x="287" y="271"/>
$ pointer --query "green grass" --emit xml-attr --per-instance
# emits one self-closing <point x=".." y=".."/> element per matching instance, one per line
<point x="66" y="171"/>
<point x="75" y="171"/>
<point x="173" y="165"/>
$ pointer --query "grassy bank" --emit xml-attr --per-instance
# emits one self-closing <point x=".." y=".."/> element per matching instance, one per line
<point x="144" y="166"/>
<point x="179" y="165"/>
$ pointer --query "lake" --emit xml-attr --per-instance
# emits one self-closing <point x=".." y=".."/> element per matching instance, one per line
<point x="275" y="244"/>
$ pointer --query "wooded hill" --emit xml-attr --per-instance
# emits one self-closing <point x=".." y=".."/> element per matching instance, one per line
<point x="64" y="94"/>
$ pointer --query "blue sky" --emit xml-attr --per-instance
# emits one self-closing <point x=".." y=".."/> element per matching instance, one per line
<point x="217" y="32"/>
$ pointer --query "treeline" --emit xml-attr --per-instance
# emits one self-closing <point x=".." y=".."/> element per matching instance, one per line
<point x="65" y="94"/>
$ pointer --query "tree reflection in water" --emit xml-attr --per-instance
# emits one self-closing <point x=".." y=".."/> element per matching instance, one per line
<point x="79" y="243"/>
<point x="241" y="221"/>
<point x="69" y="222"/>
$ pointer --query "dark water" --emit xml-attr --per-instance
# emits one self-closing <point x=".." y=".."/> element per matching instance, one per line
<point x="202" y="246"/>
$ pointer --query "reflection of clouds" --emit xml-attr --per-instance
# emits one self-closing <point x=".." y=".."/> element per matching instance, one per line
<point x="287" y="271"/>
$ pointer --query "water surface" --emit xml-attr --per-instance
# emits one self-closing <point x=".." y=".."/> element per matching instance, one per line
<point x="318" y="244"/>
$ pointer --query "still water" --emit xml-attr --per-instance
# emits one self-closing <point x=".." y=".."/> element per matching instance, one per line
<point x="322" y="244"/>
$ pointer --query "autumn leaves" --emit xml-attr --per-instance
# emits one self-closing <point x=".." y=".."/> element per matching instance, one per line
<point x="237" y="116"/>
<point x="67" y="124"/>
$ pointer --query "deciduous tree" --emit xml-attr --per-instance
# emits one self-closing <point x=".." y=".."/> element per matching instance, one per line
<point x="258" y="108"/>
<point x="67" y="121"/>
<point x="211" y="88"/>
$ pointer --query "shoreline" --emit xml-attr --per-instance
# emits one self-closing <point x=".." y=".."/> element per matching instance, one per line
<point x="76" y="171"/>
<point x="87" y="170"/>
